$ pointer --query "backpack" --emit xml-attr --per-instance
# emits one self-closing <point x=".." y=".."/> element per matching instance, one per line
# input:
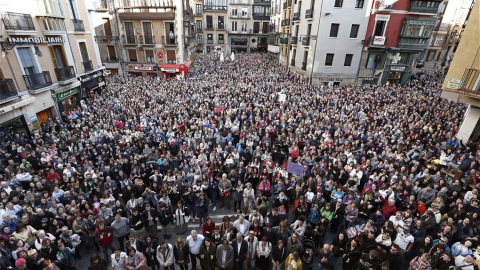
<point x="307" y="257"/>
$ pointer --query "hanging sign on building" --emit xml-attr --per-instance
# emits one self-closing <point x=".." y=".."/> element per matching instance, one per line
<point x="37" y="40"/>
<point x="453" y="83"/>
<point x="397" y="68"/>
<point x="68" y="93"/>
<point x="143" y="68"/>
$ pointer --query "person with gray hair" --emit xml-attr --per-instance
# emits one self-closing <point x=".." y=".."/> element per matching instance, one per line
<point x="242" y="225"/>
<point x="225" y="188"/>
<point x="194" y="242"/>
<point x="121" y="228"/>
<point x="240" y="249"/>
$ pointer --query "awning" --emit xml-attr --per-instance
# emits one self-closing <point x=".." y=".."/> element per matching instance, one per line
<point x="170" y="68"/>
<point x="188" y="64"/>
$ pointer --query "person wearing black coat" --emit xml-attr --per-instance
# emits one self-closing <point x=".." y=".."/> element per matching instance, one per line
<point x="338" y="215"/>
<point x="151" y="218"/>
<point x="240" y="249"/>
<point x="151" y="244"/>
<point x="137" y="223"/>
<point x="279" y="254"/>
<point x="165" y="218"/>
<point x="97" y="263"/>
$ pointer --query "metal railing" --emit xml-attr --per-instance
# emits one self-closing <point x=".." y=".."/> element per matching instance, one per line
<point x="37" y="81"/>
<point x="221" y="41"/>
<point x="296" y="16"/>
<point x="169" y="41"/>
<point x="87" y="65"/>
<point x="309" y="14"/>
<point x="106" y="38"/>
<point x="304" y="66"/>
<point x="470" y="81"/>
<point x="78" y="25"/>
<point x="130" y="39"/>
<point x="209" y="27"/>
<point x="306" y="41"/>
<point x="294" y="41"/>
<point x="147" y="39"/>
<point x="65" y="73"/>
<point x="18" y="21"/>
<point x="100" y="5"/>
<point x="286" y="22"/>
<point x="7" y="89"/>
<point x="209" y="41"/>
<point x="221" y="26"/>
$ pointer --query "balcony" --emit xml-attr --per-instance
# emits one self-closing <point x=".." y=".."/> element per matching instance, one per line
<point x="239" y="2"/>
<point x="146" y="40"/>
<point x="221" y="26"/>
<point x="130" y="40"/>
<point x="7" y="90"/>
<point x="109" y="59"/>
<point x="294" y="41"/>
<point x="169" y="41"/>
<point x="18" y="22"/>
<point x="64" y="74"/>
<point x="261" y="16"/>
<point x="296" y="16"/>
<point x="110" y="39"/>
<point x="289" y="3"/>
<point x="309" y="14"/>
<point x="292" y="63"/>
<point x="214" y="8"/>
<point x="430" y="7"/>
<point x="221" y="41"/>
<point x="469" y="84"/>
<point x="209" y="41"/>
<point x="37" y="81"/>
<point x="304" y="65"/>
<point x="209" y="27"/>
<point x="283" y="41"/>
<point x="78" y="25"/>
<point x="286" y="22"/>
<point x="87" y="65"/>
<point x="100" y="6"/>
<point x="415" y="43"/>
<point x="378" y="41"/>
<point x="306" y="41"/>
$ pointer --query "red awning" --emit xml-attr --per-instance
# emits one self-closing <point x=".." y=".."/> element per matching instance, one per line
<point x="188" y="64"/>
<point x="170" y="66"/>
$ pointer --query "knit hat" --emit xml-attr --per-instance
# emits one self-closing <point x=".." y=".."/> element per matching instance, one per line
<point x="20" y="262"/>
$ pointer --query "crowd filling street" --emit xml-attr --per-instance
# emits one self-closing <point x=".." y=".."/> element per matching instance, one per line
<point x="312" y="177"/>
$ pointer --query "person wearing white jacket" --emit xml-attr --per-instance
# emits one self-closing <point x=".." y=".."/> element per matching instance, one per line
<point x="264" y="248"/>
<point x="118" y="259"/>
<point x="165" y="255"/>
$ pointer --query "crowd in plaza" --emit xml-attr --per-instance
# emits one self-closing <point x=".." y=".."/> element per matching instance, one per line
<point x="383" y="176"/>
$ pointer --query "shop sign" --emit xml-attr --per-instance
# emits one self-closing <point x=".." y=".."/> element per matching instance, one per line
<point x="328" y="79"/>
<point x="37" y="40"/>
<point x="34" y="121"/>
<point x="397" y="68"/>
<point x="453" y="83"/>
<point x="89" y="77"/>
<point x="170" y="69"/>
<point x="143" y="68"/>
<point x="379" y="40"/>
<point x="67" y="93"/>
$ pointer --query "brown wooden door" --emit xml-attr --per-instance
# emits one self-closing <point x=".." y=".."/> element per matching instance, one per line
<point x="42" y="116"/>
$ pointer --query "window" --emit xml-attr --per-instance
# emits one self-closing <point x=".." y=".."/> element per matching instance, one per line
<point x="265" y="27"/>
<point x="112" y="53"/>
<point x="329" y="60"/>
<point x="234" y="12"/>
<point x="348" y="60"/>
<point x="379" y="28"/>
<point x="26" y="57"/>
<point x="244" y="27"/>
<point x="354" y="31"/>
<point x="221" y="39"/>
<point x="217" y="5"/>
<point x="418" y="28"/>
<point x="199" y="9"/>
<point x="149" y="56"/>
<point x="234" y="26"/>
<point x="334" y="30"/>
<point x="244" y="12"/>
<point x="210" y="39"/>
<point x="83" y="51"/>
<point x="73" y="9"/>
<point x="221" y="22"/>
<point x="209" y="22"/>
<point x="58" y="56"/>
<point x="199" y="25"/>
<point x="132" y="55"/>
<point x="374" y="59"/>
<point x="256" y="27"/>
<point x="338" y="3"/>
<point x="199" y="39"/>
<point x="359" y="3"/>
<point x="171" y="57"/>
<point x="107" y="27"/>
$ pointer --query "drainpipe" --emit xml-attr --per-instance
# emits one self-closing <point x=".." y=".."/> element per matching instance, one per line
<point x="316" y="40"/>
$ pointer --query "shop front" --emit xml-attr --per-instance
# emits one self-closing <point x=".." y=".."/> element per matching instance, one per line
<point x="92" y="83"/>
<point x="174" y="71"/>
<point x="8" y="129"/>
<point x="69" y="101"/>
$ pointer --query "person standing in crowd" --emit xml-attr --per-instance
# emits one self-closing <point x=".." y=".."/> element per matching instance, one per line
<point x="121" y="227"/>
<point x="225" y="256"/>
<point x="240" y="250"/>
<point x="181" y="254"/>
<point x="165" y="255"/>
<point x="118" y="259"/>
<point x="104" y="236"/>
<point x="194" y="242"/>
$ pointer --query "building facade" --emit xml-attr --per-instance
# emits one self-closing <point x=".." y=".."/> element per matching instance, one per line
<point x="397" y="35"/>
<point x="462" y="82"/>
<point x="214" y="26"/>
<point x="145" y="35"/>
<point x="49" y="63"/>
<point x="261" y="10"/>
<point x="240" y="25"/>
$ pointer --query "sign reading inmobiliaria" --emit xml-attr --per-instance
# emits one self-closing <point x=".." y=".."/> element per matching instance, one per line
<point x="37" y="40"/>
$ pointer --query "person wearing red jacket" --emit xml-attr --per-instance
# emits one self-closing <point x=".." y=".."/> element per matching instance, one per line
<point x="208" y="227"/>
<point x="389" y="209"/>
<point x="104" y="237"/>
<point x="300" y="207"/>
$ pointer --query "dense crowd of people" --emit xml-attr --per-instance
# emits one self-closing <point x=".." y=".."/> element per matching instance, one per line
<point x="378" y="169"/>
